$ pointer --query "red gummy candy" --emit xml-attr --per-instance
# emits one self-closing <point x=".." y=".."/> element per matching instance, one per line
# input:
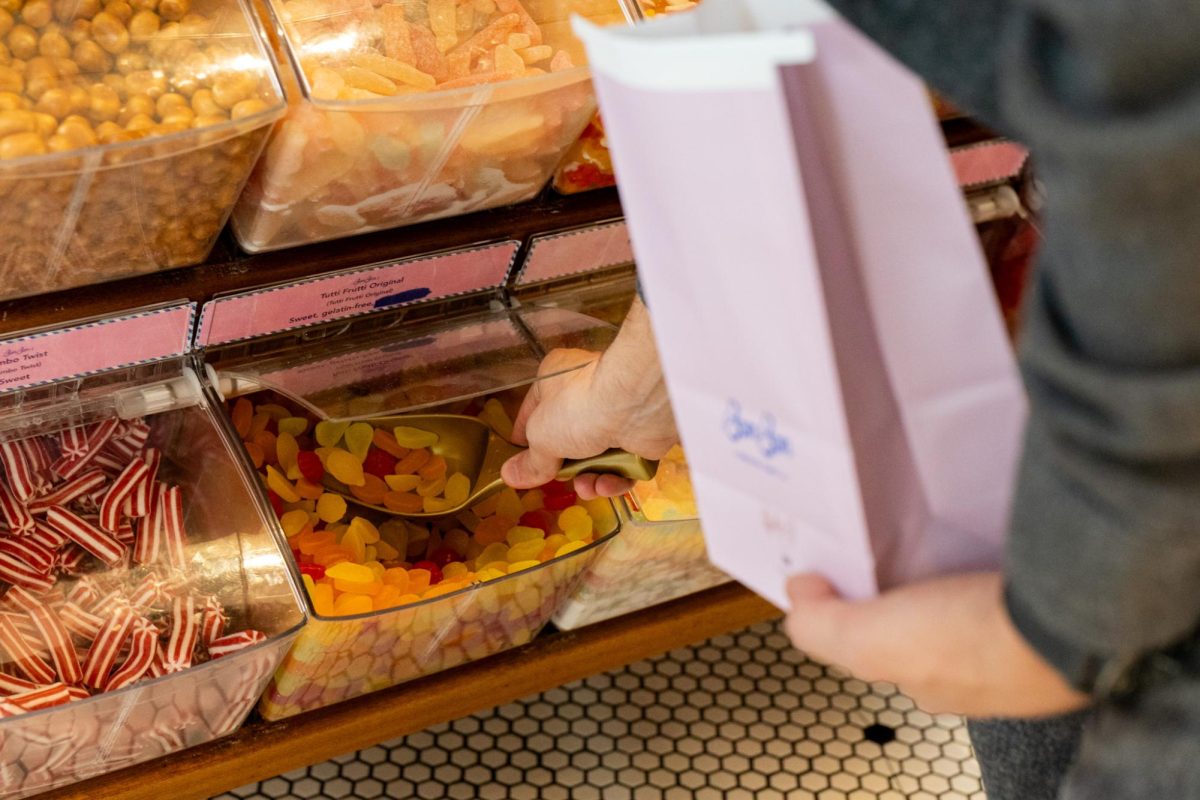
<point x="276" y="502"/>
<point x="557" y="488"/>
<point x="443" y="556"/>
<point x="296" y="555"/>
<point x="310" y="466"/>
<point x="379" y="463"/>
<point x="435" y="572"/>
<point x="557" y="502"/>
<point x="538" y="519"/>
<point x="314" y="571"/>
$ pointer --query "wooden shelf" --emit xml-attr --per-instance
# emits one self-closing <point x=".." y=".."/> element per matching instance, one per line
<point x="264" y="749"/>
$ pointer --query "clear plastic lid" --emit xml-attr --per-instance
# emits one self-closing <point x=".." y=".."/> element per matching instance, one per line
<point x="356" y="54"/>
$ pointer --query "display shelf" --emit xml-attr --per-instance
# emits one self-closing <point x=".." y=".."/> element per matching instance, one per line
<point x="262" y="750"/>
<point x="229" y="269"/>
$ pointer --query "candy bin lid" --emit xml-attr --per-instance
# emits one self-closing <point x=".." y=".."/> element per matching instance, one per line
<point x="361" y="36"/>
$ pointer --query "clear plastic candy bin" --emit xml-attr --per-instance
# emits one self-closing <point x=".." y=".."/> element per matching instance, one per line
<point x="390" y="599"/>
<point x="231" y="559"/>
<point x="658" y="556"/>
<point x="125" y="136"/>
<point x="410" y="111"/>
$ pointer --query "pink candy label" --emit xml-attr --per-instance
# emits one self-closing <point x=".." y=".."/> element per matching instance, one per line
<point x="987" y="163"/>
<point x="353" y="292"/>
<point x="575" y="252"/>
<point x="96" y="346"/>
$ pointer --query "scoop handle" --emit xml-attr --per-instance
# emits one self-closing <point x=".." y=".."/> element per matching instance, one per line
<point x="611" y="462"/>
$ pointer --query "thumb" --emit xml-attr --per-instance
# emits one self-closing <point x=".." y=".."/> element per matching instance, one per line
<point x="816" y="622"/>
<point x="530" y="469"/>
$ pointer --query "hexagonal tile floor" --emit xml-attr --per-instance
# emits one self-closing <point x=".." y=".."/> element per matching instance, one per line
<point x="739" y="717"/>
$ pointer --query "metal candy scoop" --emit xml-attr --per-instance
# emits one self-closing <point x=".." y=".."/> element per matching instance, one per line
<point x="471" y="447"/>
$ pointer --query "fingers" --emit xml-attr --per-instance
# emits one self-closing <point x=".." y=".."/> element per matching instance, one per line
<point x="589" y="486"/>
<point x="521" y="424"/>
<point x="530" y="469"/>
<point x="817" y="622"/>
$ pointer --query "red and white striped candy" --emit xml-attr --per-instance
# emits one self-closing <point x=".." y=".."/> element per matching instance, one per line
<point x="33" y="553"/>
<point x="78" y="693"/>
<point x="20" y="474"/>
<point x="212" y="624"/>
<point x="99" y="434"/>
<point x="107" y="646"/>
<point x="81" y="484"/>
<point x="108" y="603"/>
<point x="86" y="535"/>
<point x="80" y="622"/>
<point x="110" y="463"/>
<point x="73" y="442"/>
<point x="138" y="504"/>
<point x="110" y="508"/>
<point x="124" y="533"/>
<point x="141" y="654"/>
<point x="149" y="529"/>
<point x="11" y="684"/>
<point x="38" y="458"/>
<point x="84" y="592"/>
<point x="57" y="639"/>
<point x="20" y="653"/>
<point x="174" y="537"/>
<point x="158" y="664"/>
<point x="54" y="694"/>
<point x="46" y="536"/>
<point x="129" y="440"/>
<point x="184" y="632"/>
<point x="15" y="515"/>
<point x="17" y="571"/>
<point x="146" y="593"/>
<point x="71" y="559"/>
<point x="234" y="642"/>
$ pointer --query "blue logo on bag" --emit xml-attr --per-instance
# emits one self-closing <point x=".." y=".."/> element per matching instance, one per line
<point x="768" y="443"/>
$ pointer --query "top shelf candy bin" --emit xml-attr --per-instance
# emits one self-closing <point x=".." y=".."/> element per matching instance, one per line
<point x="126" y="134"/>
<point x="411" y="111"/>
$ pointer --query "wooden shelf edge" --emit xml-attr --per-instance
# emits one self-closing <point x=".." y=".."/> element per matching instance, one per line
<point x="264" y="749"/>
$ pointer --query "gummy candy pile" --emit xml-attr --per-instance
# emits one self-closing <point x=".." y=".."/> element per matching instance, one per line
<point x="355" y="563"/>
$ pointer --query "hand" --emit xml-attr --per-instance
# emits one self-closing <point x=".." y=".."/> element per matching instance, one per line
<point x="617" y="399"/>
<point x="948" y="643"/>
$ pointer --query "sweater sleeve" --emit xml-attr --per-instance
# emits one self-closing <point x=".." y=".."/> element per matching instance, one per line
<point x="1104" y="556"/>
<point x="1103" y="568"/>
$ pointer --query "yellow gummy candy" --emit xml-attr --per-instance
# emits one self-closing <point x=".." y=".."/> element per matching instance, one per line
<point x="309" y="584"/>
<point x="376" y="568"/>
<point x="330" y="433"/>
<point x="385" y="551"/>
<point x="573" y="517"/>
<point x="358" y="439"/>
<point x="294" y="521"/>
<point x="497" y="551"/>
<point x="348" y="571"/>
<point x="414" y="438"/>
<point x="433" y="488"/>
<point x="287" y="449"/>
<point x="364" y="528"/>
<point x="490" y="574"/>
<point x="533" y="500"/>
<point x="556" y="541"/>
<point x="521" y="534"/>
<point x="455" y="569"/>
<point x="349" y="604"/>
<point x="281" y="486"/>
<point x="570" y="547"/>
<point x="402" y="483"/>
<point x="293" y="425"/>
<point x="322" y="597"/>
<point x="520" y="565"/>
<point x="274" y="411"/>
<point x="437" y="505"/>
<point x="331" y="507"/>
<point x="579" y="533"/>
<point x="353" y="542"/>
<point x="525" y="551"/>
<point x="343" y="466"/>
<point x="497" y="418"/>
<point x="458" y="488"/>
<point x="510" y="504"/>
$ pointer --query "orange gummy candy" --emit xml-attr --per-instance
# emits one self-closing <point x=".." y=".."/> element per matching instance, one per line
<point x="243" y="414"/>
<point x="493" y="529"/>
<point x="404" y="502"/>
<point x="433" y="469"/>
<point x="412" y="462"/>
<point x="386" y="442"/>
<point x="372" y="491"/>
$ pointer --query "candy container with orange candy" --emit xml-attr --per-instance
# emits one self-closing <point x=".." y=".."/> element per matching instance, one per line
<point x="659" y="554"/>
<point x="139" y="615"/>
<point x="404" y="112"/>
<point x="394" y="598"/>
<point x="126" y="134"/>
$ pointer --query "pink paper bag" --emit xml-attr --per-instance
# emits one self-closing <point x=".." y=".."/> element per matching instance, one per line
<point x="837" y="361"/>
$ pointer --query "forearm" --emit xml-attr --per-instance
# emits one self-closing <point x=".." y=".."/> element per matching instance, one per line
<point x="1104" y="561"/>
